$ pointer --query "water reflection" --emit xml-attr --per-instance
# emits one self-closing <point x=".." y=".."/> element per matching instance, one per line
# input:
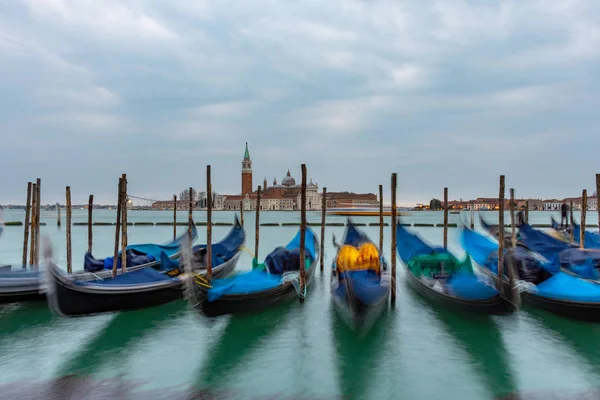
<point x="121" y="333"/>
<point x="480" y="337"/>
<point x="359" y="355"/>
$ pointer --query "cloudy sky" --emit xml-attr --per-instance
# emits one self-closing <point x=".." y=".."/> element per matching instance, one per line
<point x="445" y="93"/>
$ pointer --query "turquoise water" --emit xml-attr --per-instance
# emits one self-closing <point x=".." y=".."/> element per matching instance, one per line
<point x="294" y="351"/>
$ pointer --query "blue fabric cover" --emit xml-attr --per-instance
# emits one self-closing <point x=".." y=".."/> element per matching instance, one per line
<point x="259" y="280"/>
<point x="228" y="246"/>
<point x="247" y="282"/>
<point x="540" y="242"/>
<point x="283" y="260"/>
<point x="411" y="245"/>
<point x="566" y="287"/>
<point x="366" y="285"/>
<point x="353" y="236"/>
<point x="592" y="239"/>
<point x="150" y="250"/>
<point x="19" y="274"/>
<point x="469" y="287"/>
<point x="141" y="277"/>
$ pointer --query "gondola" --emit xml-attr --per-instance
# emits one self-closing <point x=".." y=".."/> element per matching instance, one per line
<point x="592" y="239"/>
<point x="265" y="286"/>
<point x="439" y="276"/>
<point x="141" y="288"/>
<point x="360" y="280"/>
<point x="542" y="286"/>
<point x="19" y="284"/>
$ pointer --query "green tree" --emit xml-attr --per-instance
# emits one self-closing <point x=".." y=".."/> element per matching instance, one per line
<point x="435" y="204"/>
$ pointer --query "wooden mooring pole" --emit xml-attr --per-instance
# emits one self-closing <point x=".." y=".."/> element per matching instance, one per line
<point x="257" y="228"/>
<point x="32" y="223"/>
<point x="323" y="217"/>
<point x="190" y="215"/>
<point x="90" y="232"/>
<point x="381" y="219"/>
<point x="445" y="217"/>
<point x="472" y="214"/>
<point x="598" y="198"/>
<point x="117" y="229"/>
<point x="57" y="214"/>
<point x="242" y="212"/>
<point x="527" y="212"/>
<point x="513" y="233"/>
<point x="572" y="223"/>
<point x="393" y="249"/>
<point x="303" y="235"/>
<point x="583" y="213"/>
<point x="38" y="189"/>
<point x="69" y="253"/>
<point x="174" y="216"/>
<point x="26" y="231"/>
<point x="500" y="233"/>
<point x="208" y="225"/>
<point x="124" y="223"/>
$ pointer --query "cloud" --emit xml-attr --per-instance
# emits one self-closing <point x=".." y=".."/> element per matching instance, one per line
<point x="446" y="93"/>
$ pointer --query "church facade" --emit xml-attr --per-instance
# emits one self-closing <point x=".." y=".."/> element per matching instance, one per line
<point x="284" y="196"/>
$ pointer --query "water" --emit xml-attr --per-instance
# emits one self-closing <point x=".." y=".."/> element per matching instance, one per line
<point x="293" y="351"/>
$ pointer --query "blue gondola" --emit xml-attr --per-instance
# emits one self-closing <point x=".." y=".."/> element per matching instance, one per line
<point x="360" y="295"/>
<point x="542" y="284"/>
<point x="439" y="276"/>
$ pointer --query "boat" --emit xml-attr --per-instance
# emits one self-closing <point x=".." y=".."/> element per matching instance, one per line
<point x="266" y="285"/>
<point x="592" y="239"/>
<point x="69" y="295"/>
<point x="542" y="285"/>
<point x="362" y="210"/>
<point x="439" y="276"/>
<point x="360" y="280"/>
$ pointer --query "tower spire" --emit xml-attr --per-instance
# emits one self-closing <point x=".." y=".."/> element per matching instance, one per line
<point x="246" y="153"/>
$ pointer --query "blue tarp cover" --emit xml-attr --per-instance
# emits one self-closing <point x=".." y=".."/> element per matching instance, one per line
<point x="141" y="277"/>
<point x="592" y="239"/>
<point x="540" y="242"/>
<point x="566" y="287"/>
<point x="469" y="287"/>
<point x="366" y="285"/>
<point x="410" y="245"/>
<point x="259" y="280"/>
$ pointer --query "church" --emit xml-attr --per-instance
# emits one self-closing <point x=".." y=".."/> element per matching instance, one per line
<point x="284" y="196"/>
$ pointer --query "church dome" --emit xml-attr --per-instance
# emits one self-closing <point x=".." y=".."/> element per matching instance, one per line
<point x="288" y="180"/>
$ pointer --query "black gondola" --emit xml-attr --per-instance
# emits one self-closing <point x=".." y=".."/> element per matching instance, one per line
<point x="70" y="296"/>
<point x="439" y="276"/>
<point x="264" y="286"/>
<point x="552" y="290"/>
<point x="360" y="280"/>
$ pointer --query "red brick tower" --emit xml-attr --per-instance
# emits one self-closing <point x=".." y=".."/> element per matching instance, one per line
<point x="246" y="173"/>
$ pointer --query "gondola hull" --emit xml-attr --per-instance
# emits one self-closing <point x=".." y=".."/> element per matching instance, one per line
<point x="570" y="309"/>
<point x="356" y="314"/>
<point x="251" y="302"/>
<point x="17" y="289"/>
<point x="69" y="299"/>
<point x="494" y="305"/>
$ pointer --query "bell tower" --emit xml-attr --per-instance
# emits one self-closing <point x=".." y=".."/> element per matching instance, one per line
<point x="246" y="173"/>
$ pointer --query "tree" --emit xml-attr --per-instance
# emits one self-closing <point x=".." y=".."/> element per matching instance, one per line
<point x="435" y="204"/>
<point x="184" y="195"/>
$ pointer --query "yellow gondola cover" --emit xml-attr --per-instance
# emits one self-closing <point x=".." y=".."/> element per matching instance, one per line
<point x="352" y="259"/>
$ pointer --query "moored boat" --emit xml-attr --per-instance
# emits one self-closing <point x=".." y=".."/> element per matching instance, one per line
<point x="360" y="280"/>
<point x="266" y="285"/>
<point x="541" y="285"/>
<point x="439" y="276"/>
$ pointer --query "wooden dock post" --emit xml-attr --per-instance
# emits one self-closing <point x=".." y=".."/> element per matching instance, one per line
<point x="303" y="235"/>
<point x="527" y="212"/>
<point x="174" y="216"/>
<point x="124" y="223"/>
<point x="38" y="189"/>
<point x="257" y="228"/>
<point x="445" y="217"/>
<point x="69" y="254"/>
<point x="26" y="231"/>
<point x="117" y="229"/>
<point x="511" y="206"/>
<point x="381" y="219"/>
<point x="583" y="213"/>
<point x="472" y="214"/>
<point x="500" y="233"/>
<point x="323" y="217"/>
<point x="242" y="212"/>
<point x="90" y="232"/>
<point x="190" y="215"/>
<point x="57" y="214"/>
<point x="572" y="223"/>
<point x="32" y="223"/>
<point x="393" y="250"/>
<point x="208" y="225"/>
<point x="598" y="198"/>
